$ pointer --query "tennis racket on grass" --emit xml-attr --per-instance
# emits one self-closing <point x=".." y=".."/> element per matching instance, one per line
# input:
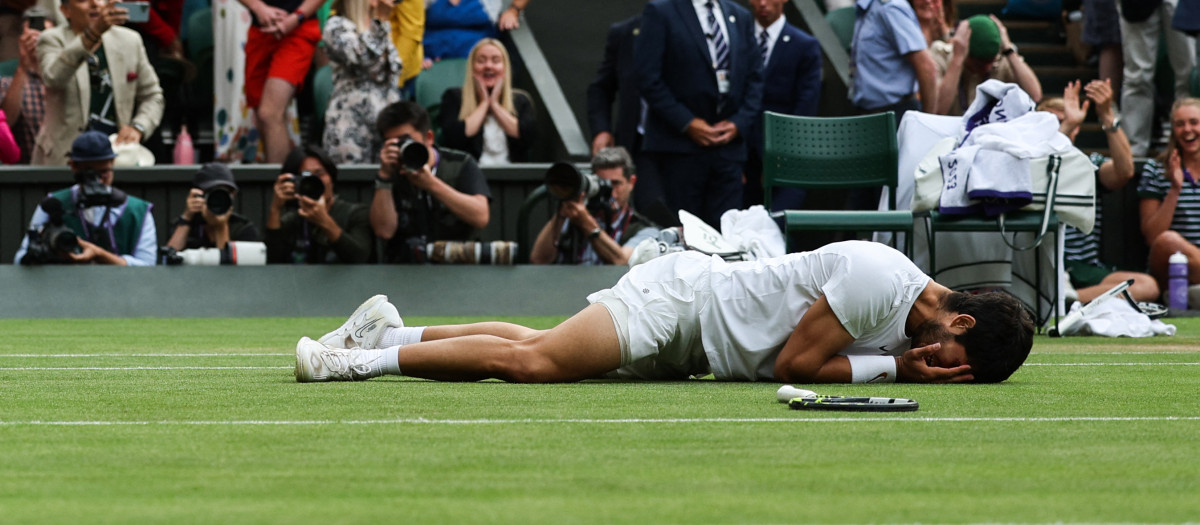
<point x="800" y="399"/>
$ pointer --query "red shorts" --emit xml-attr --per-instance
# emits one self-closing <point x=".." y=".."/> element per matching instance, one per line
<point x="287" y="59"/>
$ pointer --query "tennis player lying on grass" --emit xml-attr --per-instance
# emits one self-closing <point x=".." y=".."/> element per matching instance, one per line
<point x="848" y="312"/>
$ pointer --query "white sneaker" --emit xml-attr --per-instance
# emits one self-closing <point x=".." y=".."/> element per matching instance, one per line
<point x="365" y="326"/>
<point x="317" y="362"/>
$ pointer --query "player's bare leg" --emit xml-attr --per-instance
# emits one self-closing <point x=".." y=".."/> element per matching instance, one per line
<point x="582" y="347"/>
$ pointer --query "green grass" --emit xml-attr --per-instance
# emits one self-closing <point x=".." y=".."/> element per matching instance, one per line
<point x="1093" y="430"/>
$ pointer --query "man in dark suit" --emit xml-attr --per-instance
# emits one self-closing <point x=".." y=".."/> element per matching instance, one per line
<point x="700" y="72"/>
<point x="616" y="81"/>
<point x="792" y="60"/>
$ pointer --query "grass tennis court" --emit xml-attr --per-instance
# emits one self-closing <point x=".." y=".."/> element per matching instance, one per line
<point x="200" y="421"/>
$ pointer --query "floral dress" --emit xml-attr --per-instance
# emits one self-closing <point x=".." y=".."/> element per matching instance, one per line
<point x="366" y="71"/>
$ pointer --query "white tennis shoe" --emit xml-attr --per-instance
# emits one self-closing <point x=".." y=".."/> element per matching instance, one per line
<point x="365" y="326"/>
<point x="317" y="362"/>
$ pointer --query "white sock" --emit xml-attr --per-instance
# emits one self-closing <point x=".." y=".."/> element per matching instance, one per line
<point x="382" y="362"/>
<point x="391" y="360"/>
<point x="401" y="336"/>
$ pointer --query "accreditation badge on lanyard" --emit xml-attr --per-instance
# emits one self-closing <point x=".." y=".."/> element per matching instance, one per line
<point x="723" y="81"/>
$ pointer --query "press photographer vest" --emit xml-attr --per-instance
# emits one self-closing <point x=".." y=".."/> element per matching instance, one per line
<point x="127" y="230"/>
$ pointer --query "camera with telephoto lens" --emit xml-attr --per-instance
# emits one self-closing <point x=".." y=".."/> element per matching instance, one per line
<point x="48" y="244"/>
<point x="308" y="185"/>
<point x="218" y="200"/>
<point x="413" y="155"/>
<point x="236" y="253"/>
<point x="565" y="182"/>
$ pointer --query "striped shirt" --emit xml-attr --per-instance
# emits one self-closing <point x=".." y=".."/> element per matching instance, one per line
<point x="1155" y="184"/>
<point x="1085" y="247"/>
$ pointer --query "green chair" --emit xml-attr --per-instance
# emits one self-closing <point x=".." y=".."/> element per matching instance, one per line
<point x="432" y="82"/>
<point x="322" y="86"/>
<point x="8" y="67"/>
<point x="200" y="34"/>
<point x="841" y="20"/>
<point x="834" y="153"/>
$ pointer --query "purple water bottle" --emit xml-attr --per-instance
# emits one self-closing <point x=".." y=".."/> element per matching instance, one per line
<point x="1177" y="281"/>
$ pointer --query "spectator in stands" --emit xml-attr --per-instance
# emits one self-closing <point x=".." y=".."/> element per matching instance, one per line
<point x="209" y="220"/>
<point x="616" y="82"/>
<point x="447" y="199"/>
<point x="700" y="105"/>
<point x="510" y="18"/>
<point x="1102" y="31"/>
<point x="366" y="71"/>
<point x="792" y="60"/>
<point x="306" y="230"/>
<point x="1143" y="25"/>
<point x="980" y="50"/>
<point x="1170" y="194"/>
<point x="890" y="56"/>
<point x="93" y="53"/>
<point x="112" y="227"/>
<point x="584" y="232"/>
<point x="487" y="117"/>
<point x="22" y="96"/>
<point x="408" y="29"/>
<point x="934" y="19"/>
<point x="453" y="27"/>
<point x="1089" y="275"/>
<point x="279" y="51"/>
<point x="10" y="153"/>
<point x="161" y="33"/>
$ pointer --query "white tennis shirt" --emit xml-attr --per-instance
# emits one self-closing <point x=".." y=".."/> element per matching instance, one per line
<point x="742" y="313"/>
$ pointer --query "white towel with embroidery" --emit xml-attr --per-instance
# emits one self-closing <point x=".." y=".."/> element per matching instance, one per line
<point x="995" y="101"/>
<point x="989" y="171"/>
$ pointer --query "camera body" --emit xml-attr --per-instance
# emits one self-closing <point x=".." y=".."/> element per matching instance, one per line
<point x="566" y="182"/>
<point x="92" y="192"/>
<point x="309" y="185"/>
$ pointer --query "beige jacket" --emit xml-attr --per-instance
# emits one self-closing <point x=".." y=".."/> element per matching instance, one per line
<point x="137" y="97"/>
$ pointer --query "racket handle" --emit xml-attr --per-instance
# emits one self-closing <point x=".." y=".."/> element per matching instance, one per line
<point x="788" y="392"/>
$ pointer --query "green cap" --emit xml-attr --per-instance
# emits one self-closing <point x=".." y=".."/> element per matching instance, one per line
<point x="985" y="38"/>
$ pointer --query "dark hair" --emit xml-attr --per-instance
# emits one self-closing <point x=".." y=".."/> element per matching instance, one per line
<point x="613" y="157"/>
<point x="296" y="157"/>
<point x="401" y="113"/>
<point x="1000" y="340"/>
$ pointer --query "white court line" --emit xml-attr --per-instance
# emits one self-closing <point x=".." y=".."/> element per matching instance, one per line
<point x="617" y="421"/>
<point x="110" y="368"/>
<point x="147" y="355"/>
<point x="1111" y="364"/>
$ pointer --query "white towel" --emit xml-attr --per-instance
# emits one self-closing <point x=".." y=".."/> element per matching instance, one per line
<point x="1116" y="318"/>
<point x="753" y="231"/>
<point x="989" y="171"/>
<point x="995" y="101"/>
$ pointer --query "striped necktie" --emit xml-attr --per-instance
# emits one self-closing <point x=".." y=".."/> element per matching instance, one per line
<point x="720" y="46"/>
<point x="762" y="46"/>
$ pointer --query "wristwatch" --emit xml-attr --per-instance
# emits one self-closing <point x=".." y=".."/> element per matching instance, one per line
<point x="1012" y="50"/>
<point x="591" y="236"/>
<point x="1116" y="123"/>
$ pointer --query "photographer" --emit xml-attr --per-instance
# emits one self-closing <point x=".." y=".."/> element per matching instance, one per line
<point x="308" y="222"/>
<point x="599" y="230"/>
<point x="110" y="226"/>
<point x="423" y="193"/>
<point x="209" y="220"/>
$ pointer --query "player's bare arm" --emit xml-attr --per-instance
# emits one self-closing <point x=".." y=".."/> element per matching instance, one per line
<point x="810" y="354"/>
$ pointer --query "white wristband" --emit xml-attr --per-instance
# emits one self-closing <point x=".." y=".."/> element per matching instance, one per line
<point x="872" y="368"/>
